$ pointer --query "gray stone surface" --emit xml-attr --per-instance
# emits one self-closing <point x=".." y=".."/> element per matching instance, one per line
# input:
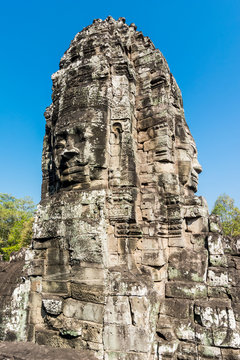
<point x="126" y="261"/>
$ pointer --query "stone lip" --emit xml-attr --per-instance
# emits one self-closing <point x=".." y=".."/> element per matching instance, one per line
<point x="29" y="351"/>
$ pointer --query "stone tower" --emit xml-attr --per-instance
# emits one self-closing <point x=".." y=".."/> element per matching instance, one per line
<point x="126" y="261"/>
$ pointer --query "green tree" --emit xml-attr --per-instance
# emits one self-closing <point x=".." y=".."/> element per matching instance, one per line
<point x="229" y="215"/>
<point x="26" y="233"/>
<point x="16" y="219"/>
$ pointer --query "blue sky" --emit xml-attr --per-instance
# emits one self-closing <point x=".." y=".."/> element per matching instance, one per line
<point x="200" y="40"/>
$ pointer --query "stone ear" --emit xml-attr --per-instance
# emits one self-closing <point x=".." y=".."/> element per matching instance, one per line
<point x="117" y="128"/>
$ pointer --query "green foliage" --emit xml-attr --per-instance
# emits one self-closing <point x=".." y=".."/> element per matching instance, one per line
<point x="229" y="215"/>
<point x="16" y="219"/>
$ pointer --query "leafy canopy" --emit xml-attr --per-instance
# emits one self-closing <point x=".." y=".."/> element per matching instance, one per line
<point x="16" y="219"/>
<point x="229" y="215"/>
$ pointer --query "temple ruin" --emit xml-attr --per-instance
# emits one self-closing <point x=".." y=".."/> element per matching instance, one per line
<point x="126" y="261"/>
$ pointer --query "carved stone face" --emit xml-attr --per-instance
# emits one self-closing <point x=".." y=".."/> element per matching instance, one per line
<point x="79" y="154"/>
<point x="164" y="143"/>
<point x="187" y="162"/>
<point x="72" y="155"/>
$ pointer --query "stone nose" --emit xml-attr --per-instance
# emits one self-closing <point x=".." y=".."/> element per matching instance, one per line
<point x="70" y="152"/>
<point x="196" y="166"/>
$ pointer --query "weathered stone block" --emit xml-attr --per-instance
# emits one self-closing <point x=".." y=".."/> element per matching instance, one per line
<point x="89" y="293"/>
<point x="215" y="244"/>
<point x="217" y="277"/>
<point x="236" y="310"/>
<point x="85" y="274"/>
<point x="150" y="244"/>
<point x="55" y="287"/>
<point x="197" y="225"/>
<point x="52" y="306"/>
<point x="234" y="277"/>
<point x="209" y="352"/>
<point x="36" y="268"/>
<point x="127" y="246"/>
<point x="36" y="284"/>
<point x="198" y="241"/>
<point x="158" y="273"/>
<point x="35" y="315"/>
<point x="188" y="265"/>
<point x="204" y="336"/>
<point x="185" y="330"/>
<point x="168" y="349"/>
<point x="83" y="310"/>
<point x="118" y="310"/>
<point x="51" y="338"/>
<point x="113" y="338"/>
<point x="175" y="308"/>
<point x="234" y="293"/>
<point x="230" y="354"/>
<point x="140" y="305"/>
<point x="122" y="285"/>
<point x="214" y="224"/>
<point x="218" y="260"/>
<point x="177" y="242"/>
<point x="218" y="292"/>
<point x="55" y="270"/>
<point x="187" y="351"/>
<point x="186" y="290"/>
<point x="45" y="243"/>
<point x="67" y="327"/>
<point x="154" y="258"/>
<point x="57" y="256"/>
<point x="215" y="314"/>
<point x="92" y="332"/>
<point x="125" y="338"/>
<point x="224" y="337"/>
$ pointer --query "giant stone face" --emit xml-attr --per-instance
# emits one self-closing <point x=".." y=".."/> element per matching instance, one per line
<point x="78" y="149"/>
<point x="79" y="152"/>
<point x="125" y="261"/>
<point x="99" y="86"/>
<point x="186" y="154"/>
<point x="120" y="171"/>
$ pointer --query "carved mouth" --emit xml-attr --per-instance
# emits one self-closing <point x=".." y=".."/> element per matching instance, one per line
<point x="195" y="179"/>
<point x="74" y="170"/>
<point x="194" y="183"/>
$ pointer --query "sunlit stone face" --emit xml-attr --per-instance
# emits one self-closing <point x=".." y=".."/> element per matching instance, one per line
<point x="187" y="162"/>
<point x="164" y="143"/>
<point x="72" y="155"/>
<point x="119" y="227"/>
<point x="79" y="152"/>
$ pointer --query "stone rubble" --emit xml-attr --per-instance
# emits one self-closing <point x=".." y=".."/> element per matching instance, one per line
<point x="127" y="262"/>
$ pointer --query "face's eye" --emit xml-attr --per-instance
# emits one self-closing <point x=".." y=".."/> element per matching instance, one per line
<point x="60" y="141"/>
<point x="193" y="151"/>
<point x="79" y="135"/>
<point x="59" y="145"/>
